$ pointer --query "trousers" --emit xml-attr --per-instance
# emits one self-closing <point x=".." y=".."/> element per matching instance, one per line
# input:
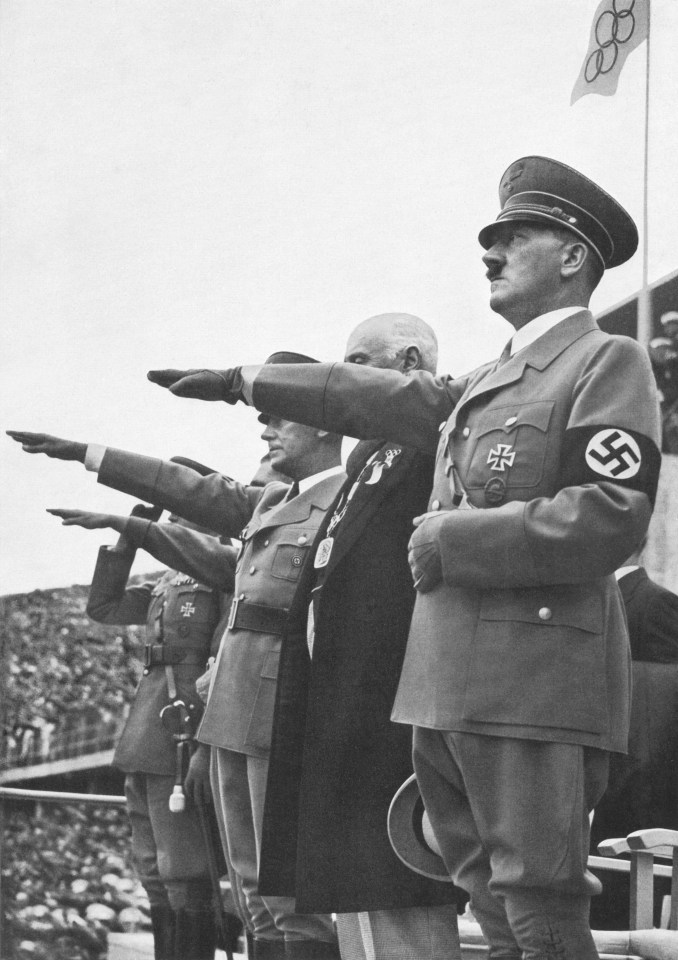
<point x="511" y="820"/>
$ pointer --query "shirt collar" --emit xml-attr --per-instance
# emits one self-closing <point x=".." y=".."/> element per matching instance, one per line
<point x="535" y="328"/>
<point x="622" y="571"/>
<point x="311" y="481"/>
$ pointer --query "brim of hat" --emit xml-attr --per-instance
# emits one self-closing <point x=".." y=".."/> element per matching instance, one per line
<point x="486" y="235"/>
<point x="405" y="833"/>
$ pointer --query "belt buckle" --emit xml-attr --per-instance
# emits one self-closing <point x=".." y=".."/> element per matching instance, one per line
<point x="234" y="612"/>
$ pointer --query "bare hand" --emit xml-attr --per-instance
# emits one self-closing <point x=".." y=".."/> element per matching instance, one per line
<point x="200" y="384"/>
<point x="423" y="555"/>
<point x="53" y="447"/>
<point x="88" y="520"/>
<point x="203" y="683"/>
<point x="197" y="783"/>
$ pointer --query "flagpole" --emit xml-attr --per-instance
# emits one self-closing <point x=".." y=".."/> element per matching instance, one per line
<point x="645" y="324"/>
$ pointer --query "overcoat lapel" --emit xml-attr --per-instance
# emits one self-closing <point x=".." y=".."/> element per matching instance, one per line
<point x="366" y="502"/>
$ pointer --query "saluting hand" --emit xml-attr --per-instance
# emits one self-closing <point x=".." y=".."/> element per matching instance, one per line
<point x="200" y="384"/>
<point x="88" y="520"/>
<point x="53" y="447"/>
<point x="423" y="555"/>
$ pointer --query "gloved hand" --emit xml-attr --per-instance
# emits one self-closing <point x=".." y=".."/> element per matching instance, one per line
<point x="53" y="447"/>
<point x="201" y="384"/>
<point x="197" y="783"/>
<point x="202" y="684"/>
<point x="423" y="555"/>
<point x="88" y="520"/>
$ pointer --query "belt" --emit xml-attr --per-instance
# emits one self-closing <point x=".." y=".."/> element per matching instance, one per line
<point x="257" y="617"/>
<point x="159" y="654"/>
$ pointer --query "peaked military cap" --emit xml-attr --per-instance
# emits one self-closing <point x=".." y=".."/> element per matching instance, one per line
<point x="194" y="465"/>
<point x="537" y="189"/>
<point x="410" y="833"/>
<point x="287" y="356"/>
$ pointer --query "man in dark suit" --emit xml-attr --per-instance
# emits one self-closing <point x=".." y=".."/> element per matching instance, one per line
<point x="643" y="786"/>
<point x="516" y="674"/>
<point x="337" y="759"/>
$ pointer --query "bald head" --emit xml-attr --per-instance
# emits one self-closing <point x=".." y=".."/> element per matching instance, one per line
<point x="397" y="341"/>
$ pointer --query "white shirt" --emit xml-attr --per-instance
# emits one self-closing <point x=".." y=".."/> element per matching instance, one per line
<point x="536" y="328"/>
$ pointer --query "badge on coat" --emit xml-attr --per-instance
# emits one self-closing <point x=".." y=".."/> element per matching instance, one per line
<point x="379" y="466"/>
<point x="613" y="453"/>
<point x="501" y="457"/>
<point x="187" y="609"/>
<point x="323" y="553"/>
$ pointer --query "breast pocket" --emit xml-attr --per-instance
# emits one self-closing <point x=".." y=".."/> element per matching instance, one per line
<point x="510" y="443"/>
<point x="291" y="554"/>
<point x="192" y="604"/>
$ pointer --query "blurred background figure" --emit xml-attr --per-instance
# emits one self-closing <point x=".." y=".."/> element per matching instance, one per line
<point x="664" y="357"/>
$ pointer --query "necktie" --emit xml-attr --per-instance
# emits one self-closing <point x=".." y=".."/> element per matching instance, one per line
<point x="505" y="355"/>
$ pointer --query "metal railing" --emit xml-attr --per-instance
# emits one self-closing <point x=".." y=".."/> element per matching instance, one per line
<point x="42" y="796"/>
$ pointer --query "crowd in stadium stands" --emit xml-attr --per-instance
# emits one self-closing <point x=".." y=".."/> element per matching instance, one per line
<point x="67" y="680"/>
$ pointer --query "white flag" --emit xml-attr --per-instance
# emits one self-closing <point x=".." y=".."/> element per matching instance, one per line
<point x="619" y="26"/>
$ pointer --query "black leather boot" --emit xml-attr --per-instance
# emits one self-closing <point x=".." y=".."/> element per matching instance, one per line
<point x="163" y="923"/>
<point x="196" y="936"/>
<point x="311" y="950"/>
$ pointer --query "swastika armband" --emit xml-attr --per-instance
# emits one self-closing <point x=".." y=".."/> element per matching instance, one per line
<point x="612" y="454"/>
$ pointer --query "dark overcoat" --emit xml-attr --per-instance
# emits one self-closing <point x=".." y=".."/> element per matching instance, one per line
<point x="337" y="759"/>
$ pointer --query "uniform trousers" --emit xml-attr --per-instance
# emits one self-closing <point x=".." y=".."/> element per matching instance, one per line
<point x="239" y="904"/>
<point x="241" y="783"/>
<point x="413" y="933"/>
<point x="168" y="848"/>
<point x="511" y="819"/>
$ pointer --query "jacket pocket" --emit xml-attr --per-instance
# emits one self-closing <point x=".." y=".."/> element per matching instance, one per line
<point x="290" y="557"/>
<point x="260" y="727"/>
<point x="510" y="444"/>
<point x="538" y="660"/>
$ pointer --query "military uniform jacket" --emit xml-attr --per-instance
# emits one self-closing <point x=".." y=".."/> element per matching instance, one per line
<point x="337" y="759"/>
<point x="181" y="615"/>
<point x="276" y="542"/>
<point x="556" y="452"/>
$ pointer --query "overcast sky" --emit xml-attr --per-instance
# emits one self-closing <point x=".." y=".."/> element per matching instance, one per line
<point x="202" y="183"/>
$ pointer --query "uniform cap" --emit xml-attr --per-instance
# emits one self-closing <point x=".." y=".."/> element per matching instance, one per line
<point x="671" y="316"/>
<point x="194" y="465"/>
<point x="409" y="831"/>
<point x="540" y="190"/>
<point x="286" y="356"/>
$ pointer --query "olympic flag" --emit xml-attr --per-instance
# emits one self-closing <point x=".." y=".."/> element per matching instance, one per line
<point x="619" y="26"/>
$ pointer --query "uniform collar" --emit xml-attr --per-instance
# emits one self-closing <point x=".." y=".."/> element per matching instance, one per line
<point x="311" y="481"/>
<point x="539" y="325"/>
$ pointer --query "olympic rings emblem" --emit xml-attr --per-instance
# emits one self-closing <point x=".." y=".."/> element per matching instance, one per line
<point x="613" y="28"/>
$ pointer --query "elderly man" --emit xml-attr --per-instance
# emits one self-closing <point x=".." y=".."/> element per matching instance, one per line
<point x="336" y="757"/>
<point x="516" y="675"/>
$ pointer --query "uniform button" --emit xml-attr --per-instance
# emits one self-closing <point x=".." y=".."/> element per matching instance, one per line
<point x="466" y="432"/>
<point x="545" y="613"/>
<point x="266" y="543"/>
<point x="302" y="539"/>
<point x="146" y="671"/>
<point x="511" y="421"/>
<point x="253" y="569"/>
<point x="435" y="505"/>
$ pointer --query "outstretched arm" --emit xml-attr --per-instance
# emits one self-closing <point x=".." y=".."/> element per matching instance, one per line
<point x="53" y="447"/>
<point x="347" y="398"/>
